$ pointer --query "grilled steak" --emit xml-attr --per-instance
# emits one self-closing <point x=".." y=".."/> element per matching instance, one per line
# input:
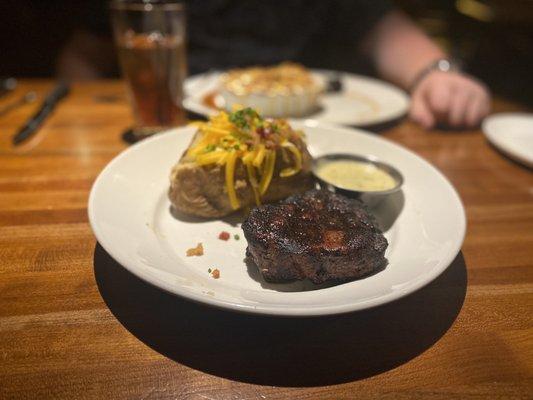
<point x="317" y="235"/>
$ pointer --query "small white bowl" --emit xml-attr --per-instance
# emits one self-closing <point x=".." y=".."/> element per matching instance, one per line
<point x="279" y="105"/>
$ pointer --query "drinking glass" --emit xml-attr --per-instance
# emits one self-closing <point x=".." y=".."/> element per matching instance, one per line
<point x="150" y="37"/>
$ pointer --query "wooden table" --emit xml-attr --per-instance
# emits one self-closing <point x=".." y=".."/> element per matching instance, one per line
<point x="74" y="324"/>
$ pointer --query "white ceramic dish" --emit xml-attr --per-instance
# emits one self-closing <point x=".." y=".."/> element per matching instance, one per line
<point x="280" y="106"/>
<point x="511" y="133"/>
<point x="130" y="216"/>
<point x="362" y="101"/>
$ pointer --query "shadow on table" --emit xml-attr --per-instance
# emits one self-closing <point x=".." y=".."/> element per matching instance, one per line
<point x="282" y="351"/>
<point x="380" y="127"/>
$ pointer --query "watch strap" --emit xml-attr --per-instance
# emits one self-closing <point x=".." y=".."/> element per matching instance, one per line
<point x="441" y="64"/>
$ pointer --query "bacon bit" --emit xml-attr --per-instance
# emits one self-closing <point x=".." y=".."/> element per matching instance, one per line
<point x="215" y="274"/>
<point x="263" y="132"/>
<point x="223" y="235"/>
<point x="196" y="251"/>
<point x="269" y="144"/>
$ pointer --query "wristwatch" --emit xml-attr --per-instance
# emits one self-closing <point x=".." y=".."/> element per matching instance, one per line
<point x="442" y="64"/>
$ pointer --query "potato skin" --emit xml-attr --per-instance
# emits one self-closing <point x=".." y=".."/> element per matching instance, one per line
<point x="201" y="191"/>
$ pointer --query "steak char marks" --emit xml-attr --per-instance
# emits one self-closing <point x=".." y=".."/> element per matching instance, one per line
<point x="317" y="235"/>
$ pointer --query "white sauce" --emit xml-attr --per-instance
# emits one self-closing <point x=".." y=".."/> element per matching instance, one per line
<point x="355" y="175"/>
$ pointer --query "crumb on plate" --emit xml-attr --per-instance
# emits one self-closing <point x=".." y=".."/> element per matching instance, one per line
<point x="223" y="235"/>
<point x="215" y="274"/>
<point x="196" y="251"/>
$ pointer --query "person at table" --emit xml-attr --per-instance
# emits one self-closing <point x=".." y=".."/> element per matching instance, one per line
<point x="334" y="34"/>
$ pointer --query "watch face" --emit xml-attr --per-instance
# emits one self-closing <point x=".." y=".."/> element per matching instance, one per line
<point x="443" y="65"/>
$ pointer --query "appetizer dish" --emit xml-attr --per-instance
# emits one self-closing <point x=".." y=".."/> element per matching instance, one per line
<point x="284" y="90"/>
<point x="237" y="160"/>
<point x="318" y="235"/>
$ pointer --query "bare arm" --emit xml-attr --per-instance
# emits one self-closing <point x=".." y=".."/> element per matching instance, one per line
<point x="400" y="51"/>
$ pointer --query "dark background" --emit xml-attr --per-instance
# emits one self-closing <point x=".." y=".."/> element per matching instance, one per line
<point x="494" y="38"/>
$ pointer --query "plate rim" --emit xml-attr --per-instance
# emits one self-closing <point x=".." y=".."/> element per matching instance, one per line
<point x="201" y="110"/>
<point x="502" y="146"/>
<point x="293" y="311"/>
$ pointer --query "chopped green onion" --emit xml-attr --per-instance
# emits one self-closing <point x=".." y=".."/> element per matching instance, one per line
<point x="242" y="118"/>
<point x="209" y="148"/>
<point x="237" y="237"/>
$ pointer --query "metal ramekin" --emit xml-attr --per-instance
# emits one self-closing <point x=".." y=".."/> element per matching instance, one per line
<point x="370" y="198"/>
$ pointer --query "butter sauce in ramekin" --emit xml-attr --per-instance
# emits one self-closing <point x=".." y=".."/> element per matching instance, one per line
<point x="357" y="176"/>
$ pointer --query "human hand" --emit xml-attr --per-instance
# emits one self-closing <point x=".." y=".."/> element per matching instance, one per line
<point x="449" y="98"/>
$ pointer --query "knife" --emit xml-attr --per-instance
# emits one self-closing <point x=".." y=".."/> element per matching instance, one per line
<point x="50" y="102"/>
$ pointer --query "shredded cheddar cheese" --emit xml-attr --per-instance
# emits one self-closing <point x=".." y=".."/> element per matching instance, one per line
<point x="244" y="137"/>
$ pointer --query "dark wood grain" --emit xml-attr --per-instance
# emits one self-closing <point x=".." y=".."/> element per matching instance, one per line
<point x="74" y="324"/>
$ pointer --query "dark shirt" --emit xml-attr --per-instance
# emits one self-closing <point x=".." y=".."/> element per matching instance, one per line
<point x="221" y="33"/>
<point x="318" y="33"/>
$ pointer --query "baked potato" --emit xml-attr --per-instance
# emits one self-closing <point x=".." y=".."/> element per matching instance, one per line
<point x="239" y="160"/>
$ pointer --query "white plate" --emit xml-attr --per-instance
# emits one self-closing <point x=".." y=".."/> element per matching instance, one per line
<point x="512" y="133"/>
<point x="363" y="100"/>
<point x="130" y="216"/>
